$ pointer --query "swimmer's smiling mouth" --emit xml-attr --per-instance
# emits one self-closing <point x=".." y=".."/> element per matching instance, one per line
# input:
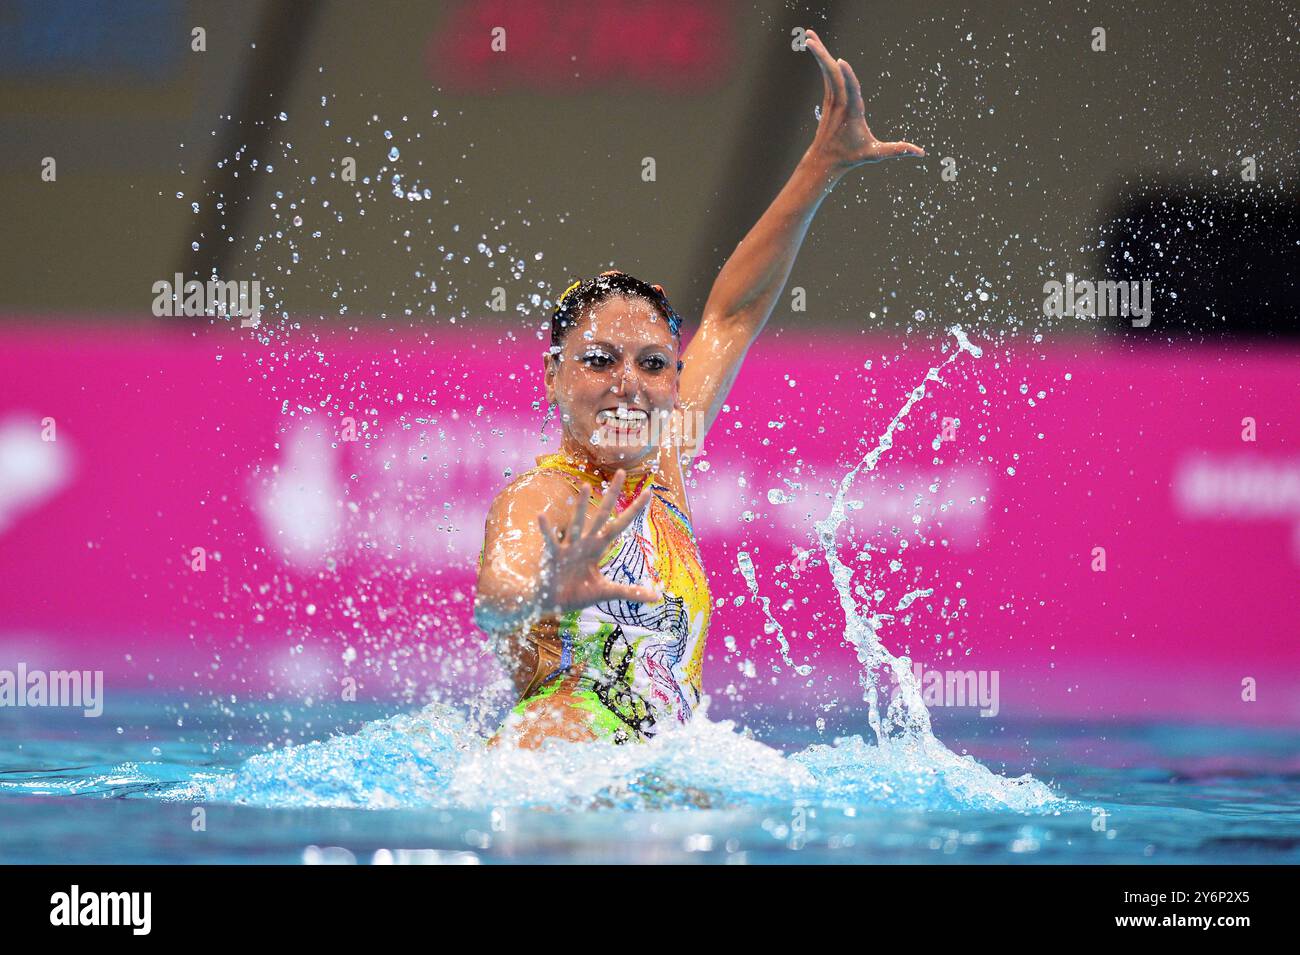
<point x="622" y="416"/>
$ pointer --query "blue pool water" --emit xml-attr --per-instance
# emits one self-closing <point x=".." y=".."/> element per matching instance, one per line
<point x="418" y="787"/>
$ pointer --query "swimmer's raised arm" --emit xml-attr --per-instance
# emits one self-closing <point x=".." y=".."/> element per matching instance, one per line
<point x="747" y="288"/>
<point x="542" y="551"/>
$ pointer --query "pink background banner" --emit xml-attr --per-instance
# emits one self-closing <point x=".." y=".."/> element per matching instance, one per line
<point x="324" y="557"/>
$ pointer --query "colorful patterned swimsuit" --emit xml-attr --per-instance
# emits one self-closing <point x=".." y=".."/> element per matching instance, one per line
<point x="631" y="667"/>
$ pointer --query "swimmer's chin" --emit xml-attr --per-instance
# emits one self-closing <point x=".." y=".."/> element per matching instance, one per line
<point x="619" y="453"/>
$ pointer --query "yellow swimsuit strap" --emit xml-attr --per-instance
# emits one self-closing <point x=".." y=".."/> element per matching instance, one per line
<point x="559" y="461"/>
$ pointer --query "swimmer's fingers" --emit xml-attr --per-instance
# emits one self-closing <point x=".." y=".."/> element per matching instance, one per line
<point x="549" y="539"/>
<point x="608" y="501"/>
<point x="620" y="523"/>
<point x="859" y="109"/>
<point x="576" y="522"/>
<point x="831" y="75"/>
<point x="900" y="148"/>
<point x="856" y="106"/>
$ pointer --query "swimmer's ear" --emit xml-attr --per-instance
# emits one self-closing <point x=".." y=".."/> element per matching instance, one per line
<point x="550" y="368"/>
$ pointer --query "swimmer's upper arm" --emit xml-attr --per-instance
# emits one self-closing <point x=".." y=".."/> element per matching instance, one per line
<point x="513" y="544"/>
<point x="709" y="368"/>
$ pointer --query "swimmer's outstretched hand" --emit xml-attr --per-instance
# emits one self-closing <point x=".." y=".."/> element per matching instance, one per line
<point x="843" y="138"/>
<point x="570" y="571"/>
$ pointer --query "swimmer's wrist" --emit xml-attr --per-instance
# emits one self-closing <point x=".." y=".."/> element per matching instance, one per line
<point x="821" y="169"/>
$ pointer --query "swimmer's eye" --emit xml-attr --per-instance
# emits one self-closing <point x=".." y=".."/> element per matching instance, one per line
<point x="601" y="360"/>
<point x="597" y="359"/>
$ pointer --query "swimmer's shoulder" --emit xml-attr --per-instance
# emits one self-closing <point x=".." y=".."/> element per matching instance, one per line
<point x="512" y="515"/>
<point x="536" y="491"/>
<point x="676" y="464"/>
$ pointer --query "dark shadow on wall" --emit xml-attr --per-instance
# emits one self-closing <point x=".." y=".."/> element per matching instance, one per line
<point x="759" y="164"/>
<point x="1222" y="261"/>
<point x="279" y="43"/>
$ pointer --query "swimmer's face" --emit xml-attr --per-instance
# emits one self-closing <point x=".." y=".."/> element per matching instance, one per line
<point x="617" y="371"/>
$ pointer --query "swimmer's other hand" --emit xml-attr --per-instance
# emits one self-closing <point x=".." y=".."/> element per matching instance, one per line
<point x="570" y="569"/>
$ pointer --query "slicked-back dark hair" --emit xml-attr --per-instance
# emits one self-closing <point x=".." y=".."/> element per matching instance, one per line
<point x="585" y="293"/>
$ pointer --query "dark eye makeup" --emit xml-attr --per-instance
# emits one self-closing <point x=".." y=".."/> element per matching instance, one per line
<point x="599" y="358"/>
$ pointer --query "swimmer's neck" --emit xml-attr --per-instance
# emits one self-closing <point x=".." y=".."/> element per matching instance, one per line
<point x="586" y="461"/>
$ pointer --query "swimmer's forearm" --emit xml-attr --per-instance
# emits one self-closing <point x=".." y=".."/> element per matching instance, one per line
<point x="503" y="613"/>
<point x="746" y="289"/>
<point x="508" y="602"/>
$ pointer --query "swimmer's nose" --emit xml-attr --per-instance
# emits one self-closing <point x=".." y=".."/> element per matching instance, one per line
<point x="628" y="382"/>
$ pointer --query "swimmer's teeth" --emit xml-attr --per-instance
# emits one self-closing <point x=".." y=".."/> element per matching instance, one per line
<point x="623" y="416"/>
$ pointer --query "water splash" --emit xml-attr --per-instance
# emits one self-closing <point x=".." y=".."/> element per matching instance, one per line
<point x="436" y="758"/>
<point x="746" y="565"/>
<point x="907" y="716"/>
<point x="904" y="737"/>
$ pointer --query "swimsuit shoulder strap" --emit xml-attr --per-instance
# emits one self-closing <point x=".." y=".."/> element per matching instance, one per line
<point x="558" y="463"/>
<point x="585" y="481"/>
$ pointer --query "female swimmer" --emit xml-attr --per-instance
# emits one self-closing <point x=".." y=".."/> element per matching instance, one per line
<point x="601" y="618"/>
